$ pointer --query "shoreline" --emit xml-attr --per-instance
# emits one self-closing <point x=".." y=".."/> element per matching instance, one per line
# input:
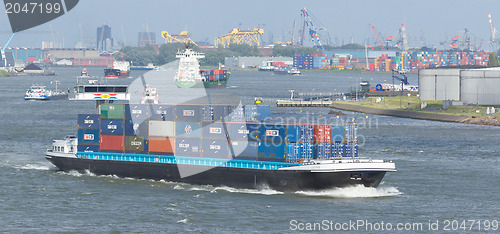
<point x="419" y="115"/>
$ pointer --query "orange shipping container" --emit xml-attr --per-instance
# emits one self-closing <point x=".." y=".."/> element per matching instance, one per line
<point x="161" y="144"/>
<point x="112" y="142"/>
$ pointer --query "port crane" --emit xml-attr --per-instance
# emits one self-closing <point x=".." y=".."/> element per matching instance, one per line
<point x="403" y="79"/>
<point x="183" y="37"/>
<point x="313" y="31"/>
<point x="378" y="38"/>
<point x="237" y="36"/>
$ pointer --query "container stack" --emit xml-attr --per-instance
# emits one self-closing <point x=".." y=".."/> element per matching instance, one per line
<point x="214" y="74"/>
<point x="212" y="131"/>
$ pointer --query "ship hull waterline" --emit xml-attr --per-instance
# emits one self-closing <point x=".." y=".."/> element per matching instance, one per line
<point x="281" y="180"/>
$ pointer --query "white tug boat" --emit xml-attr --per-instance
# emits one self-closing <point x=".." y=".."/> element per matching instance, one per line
<point x="39" y="92"/>
<point x="150" y="96"/>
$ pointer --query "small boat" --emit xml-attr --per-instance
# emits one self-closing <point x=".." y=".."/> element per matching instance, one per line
<point x="84" y="74"/>
<point x="150" y="96"/>
<point x="288" y="71"/>
<point x="150" y="66"/>
<point x="39" y="92"/>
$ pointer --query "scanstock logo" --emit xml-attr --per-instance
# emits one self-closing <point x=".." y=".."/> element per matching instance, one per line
<point x="26" y="14"/>
<point x="272" y="133"/>
<point x="215" y="130"/>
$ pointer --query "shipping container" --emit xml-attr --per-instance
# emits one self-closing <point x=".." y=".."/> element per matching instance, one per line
<point x="236" y="114"/>
<point x="216" y="130"/>
<point x="306" y="150"/>
<point x="88" y="137"/>
<point x="136" y="144"/>
<point x="88" y="148"/>
<point x="348" y="150"/>
<point x="272" y="132"/>
<point x="112" y="127"/>
<point x="112" y="111"/>
<point x="293" y="133"/>
<point x="187" y="146"/>
<point x="160" y="128"/>
<point x="220" y="112"/>
<point x="322" y="150"/>
<point x="215" y="148"/>
<point x="306" y="133"/>
<point x="337" y="133"/>
<point x="137" y="111"/>
<point x="163" y="145"/>
<point x="207" y="113"/>
<point x="270" y="151"/>
<point x="251" y="114"/>
<point x="263" y="113"/>
<point x="244" y="149"/>
<point x="112" y="142"/>
<point x="337" y="149"/>
<point x="322" y="133"/>
<point x="243" y="131"/>
<point x="188" y="129"/>
<point x="162" y="112"/>
<point x="86" y="121"/>
<point x="136" y="128"/>
<point x="186" y="113"/>
<point x="293" y="152"/>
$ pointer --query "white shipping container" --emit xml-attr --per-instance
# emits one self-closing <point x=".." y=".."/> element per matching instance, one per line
<point x="159" y="128"/>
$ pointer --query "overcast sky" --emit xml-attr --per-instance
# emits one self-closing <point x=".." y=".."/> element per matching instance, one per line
<point x="436" y="20"/>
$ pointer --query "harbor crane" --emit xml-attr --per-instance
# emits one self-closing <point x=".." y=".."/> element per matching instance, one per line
<point x="403" y="79"/>
<point x="493" y="32"/>
<point x="313" y="31"/>
<point x="183" y="37"/>
<point x="237" y="36"/>
<point x="378" y="38"/>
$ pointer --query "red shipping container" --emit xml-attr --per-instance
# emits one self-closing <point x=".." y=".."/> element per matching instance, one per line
<point x="112" y="142"/>
<point x="31" y="59"/>
<point x="306" y="62"/>
<point x="322" y="133"/>
<point x="161" y="144"/>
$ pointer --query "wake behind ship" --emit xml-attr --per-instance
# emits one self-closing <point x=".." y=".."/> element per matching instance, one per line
<point x="217" y="145"/>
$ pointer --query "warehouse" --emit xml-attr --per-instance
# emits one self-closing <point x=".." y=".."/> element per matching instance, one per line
<point x="468" y="86"/>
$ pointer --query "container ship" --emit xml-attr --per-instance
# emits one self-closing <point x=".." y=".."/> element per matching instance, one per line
<point x="120" y="69"/>
<point x="189" y="74"/>
<point x="229" y="145"/>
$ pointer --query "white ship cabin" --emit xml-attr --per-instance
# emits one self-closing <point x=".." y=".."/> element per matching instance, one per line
<point x="66" y="146"/>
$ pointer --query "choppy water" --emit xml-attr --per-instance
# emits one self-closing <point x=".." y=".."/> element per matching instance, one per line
<point x="446" y="171"/>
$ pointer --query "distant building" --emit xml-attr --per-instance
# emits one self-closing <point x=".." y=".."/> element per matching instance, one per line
<point x="146" y="38"/>
<point x="104" y="39"/>
<point x="245" y="62"/>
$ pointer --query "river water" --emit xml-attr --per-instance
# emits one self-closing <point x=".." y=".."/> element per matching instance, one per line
<point x="447" y="172"/>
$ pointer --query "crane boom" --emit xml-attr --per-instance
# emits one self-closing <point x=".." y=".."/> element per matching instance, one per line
<point x="313" y="31"/>
<point x="378" y="38"/>
<point x="493" y="31"/>
<point x="405" y="40"/>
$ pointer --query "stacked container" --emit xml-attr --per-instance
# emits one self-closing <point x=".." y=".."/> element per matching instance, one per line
<point x="88" y="133"/>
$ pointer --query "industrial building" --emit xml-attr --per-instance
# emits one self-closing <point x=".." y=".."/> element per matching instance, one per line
<point x="463" y="86"/>
<point x="104" y="39"/>
<point x="244" y="62"/>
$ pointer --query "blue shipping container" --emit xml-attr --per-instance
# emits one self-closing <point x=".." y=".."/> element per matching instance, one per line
<point x="263" y="113"/>
<point x="217" y="130"/>
<point x="337" y="133"/>
<point x="137" y="111"/>
<point x="188" y="113"/>
<point x="220" y="112"/>
<point x="187" y="147"/>
<point x="236" y="114"/>
<point x="136" y="128"/>
<point x="293" y="133"/>
<point x="88" y="148"/>
<point x="306" y="133"/>
<point x="215" y="148"/>
<point x="89" y="137"/>
<point x="348" y="150"/>
<point x="322" y="150"/>
<point x="272" y="132"/>
<point x="162" y="112"/>
<point x="188" y="129"/>
<point x="243" y="131"/>
<point x="306" y="150"/>
<point x="244" y="149"/>
<point x="112" y="127"/>
<point x="269" y="151"/>
<point x="337" y="149"/>
<point x="86" y="121"/>
<point x="293" y="152"/>
<point x="251" y="113"/>
<point x="207" y="113"/>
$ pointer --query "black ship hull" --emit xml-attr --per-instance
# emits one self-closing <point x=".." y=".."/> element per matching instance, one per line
<point x="282" y="180"/>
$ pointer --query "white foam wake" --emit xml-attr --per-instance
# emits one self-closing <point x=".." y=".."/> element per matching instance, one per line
<point x="264" y="191"/>
<point x="34" y="167"/>
<point x="358" y="191"/>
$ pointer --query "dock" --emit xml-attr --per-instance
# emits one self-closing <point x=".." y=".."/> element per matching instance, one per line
<point x="302" y="103"/>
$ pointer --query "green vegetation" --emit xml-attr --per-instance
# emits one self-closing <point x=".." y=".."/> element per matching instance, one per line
<point x="493" y="60"/>
<point x="412" y="103"/>
<point x="4" y="73"/>
<point x="290" y="51"/>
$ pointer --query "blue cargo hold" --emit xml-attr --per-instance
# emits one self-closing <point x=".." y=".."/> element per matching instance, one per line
<point x="293" y="133"/>
<point x="269" y="151"/>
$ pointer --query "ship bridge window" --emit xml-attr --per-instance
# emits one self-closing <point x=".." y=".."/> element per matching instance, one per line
<point x="91" y="89"/>
<point x="121" y="89"/>
<point x="105" y="89"/>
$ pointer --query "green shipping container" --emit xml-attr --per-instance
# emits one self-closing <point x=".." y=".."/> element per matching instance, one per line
<point x="112" y="111"/>
<point x="134" y="143"/>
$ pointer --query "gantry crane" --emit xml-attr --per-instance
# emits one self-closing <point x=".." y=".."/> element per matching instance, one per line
<point x="313" y="31"/>
<point x="237" y="36"/>
<point x="493" y="31"/>
<point x="183" y="37"/>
